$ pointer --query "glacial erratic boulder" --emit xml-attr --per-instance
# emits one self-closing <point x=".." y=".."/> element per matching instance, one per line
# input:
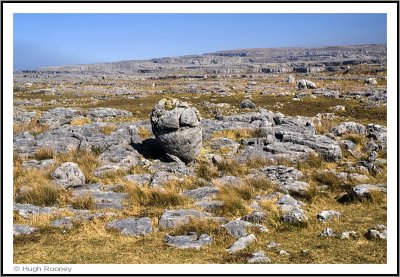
<point x="247" y="104"/>
<point x="177" y="127"/>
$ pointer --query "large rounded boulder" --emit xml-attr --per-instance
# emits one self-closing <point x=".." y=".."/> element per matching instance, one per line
<point x="177" y="127"/>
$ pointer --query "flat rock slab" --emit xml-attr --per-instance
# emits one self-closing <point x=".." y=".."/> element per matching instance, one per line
<point x="363" y="191"/>
<point x="259" y="258"/>
<point x="27" y="210"/>
<point x="132" y="226"/>
<point x="241" y="244"/>
<point x="191" y="241"/>
<point x="237" y="228"/>
<point x="201" y="193"/>
<point x="19" y="229"/>
<point x="63" y="223"/>
<point x="175" y="218"/>
<point x="38" y="164"/>
<point x="104" y="199"/>
<point x="326" y="215"/>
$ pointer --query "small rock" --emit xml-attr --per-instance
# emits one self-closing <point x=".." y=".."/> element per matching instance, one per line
<point x="283" y="253"/>
<point x="19" y="229"/>
<point x="237" y="228"/>
<point x="191" y="241"/>
<point x="259" y="258"/>
<point x="241" y="243"/>
<point x="273" y="244"/>
<point x="325" y="215"/>
<point x="65" y="223"/>
<point x="348" y="235"/>
<point x="132" y="226"/>
<point x="328" y="232"/>
<point x="68" y="175"/>
<point x="247" y="104"/>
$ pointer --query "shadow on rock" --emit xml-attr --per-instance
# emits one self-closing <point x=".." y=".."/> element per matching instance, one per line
<point x="150" y="149"/>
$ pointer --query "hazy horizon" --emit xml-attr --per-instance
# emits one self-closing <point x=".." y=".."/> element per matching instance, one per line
<point x="45" y="40"/>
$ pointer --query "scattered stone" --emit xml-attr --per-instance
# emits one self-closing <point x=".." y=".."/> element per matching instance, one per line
<point x="273" y="244"/>
<point x="237" y="228"/>
<point x="41" y="164"/>
<point x="363" y="191"/>
<point x="177" y="127"/>
<point x="97" y="114"/>
<point x="19" y="229"/>
<point x="26" y="210"/>
<point x="328" y="232"/>
<point x="303" y="84"/>
<point x="64" y="223"/>
<point x="348" y="235"/>
<point x="326" y="215"/>
<point x="68" y="175"/>
<point x="241" y="243"/>
<point x="283" y="253"/>
<point x="58" y="116"/>
<point x="247" y="104"/>
<point x="349" y="128"/>
<point x="255" y="217"/>
<point x="370" y="81"/>
<point x="201" y="193"/>
<point x="132" y="226"/>
<point x="379" y="232"/>
<point x="175" y="218"/>
<point x="259" y="258"/>
<point x="291" y="79"/>
<point x="190" y="241"/>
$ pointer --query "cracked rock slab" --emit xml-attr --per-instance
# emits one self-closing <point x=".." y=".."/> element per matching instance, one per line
<point x="191" y="241"/>
<point x="132" y="226"/>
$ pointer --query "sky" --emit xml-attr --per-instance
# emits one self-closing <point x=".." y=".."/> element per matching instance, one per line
<point x="42" y="40"/>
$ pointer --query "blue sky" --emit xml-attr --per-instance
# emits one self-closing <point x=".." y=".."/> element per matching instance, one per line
<point x="58" y="39"/>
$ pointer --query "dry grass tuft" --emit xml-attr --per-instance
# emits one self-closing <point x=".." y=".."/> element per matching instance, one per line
<point x="34" y="128"/>
<point x="199" y="226"/>
<point x="80" y="121"/>
<point x="233" y="203"/>
<point x="232" y="167"/>
<point x="108" y="129"/>
<point x="238" y="134"/>
<point x="329" y="179"/>
<point x="144" y="133"/>
<point x="154" y="197"/>
<point x="45" y="194"/>
<point x="311" y="162"/>
<point x="44" y="153"/>
<point x="206" y="171"/>
<point x="84" y="202"/>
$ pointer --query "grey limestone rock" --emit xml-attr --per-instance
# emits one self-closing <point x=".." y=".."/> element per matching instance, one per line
<point x="58" y="116"/>
<point x="291" y="79"/>
<point x="68" y="175"/>
<point x="370" y="81"/>
<point x="349" y="128"/>
<point x="247" y="104"/>
<point x="175" y="218"/>
<point x="26" y="210"/>
<point x="19" y="229"/>
<point x="259" y="258"/>
<point x="362" y="191"/>
<point x="132" y="226"/>
<point x="104" y="113"/>
<point x="177" y="127"/>
<point x="190" y="241"/>
<point x="348" y="235"/>
<point x="328" y="232"/>
<point x="22" y="117"/>
<point x="326" y="215"/>
<point x="255" y="217"/>
<point x="201" y="193"/>
<point x="241" y="243"/>
<point x="303" y="84"/>
<point x="237" y="228"/>
<point x="38" y="164"/>
<point x="64" y="223"/>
